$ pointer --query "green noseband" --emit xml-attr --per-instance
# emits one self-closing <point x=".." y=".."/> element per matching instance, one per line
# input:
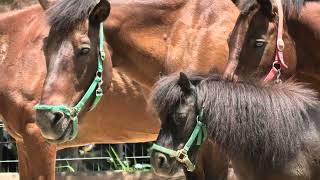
<point x="181" y="155"/>
<point x="73" y="112"/>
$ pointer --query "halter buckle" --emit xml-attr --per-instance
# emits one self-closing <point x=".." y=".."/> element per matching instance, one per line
<point x="182" y="156"/>
<point x="73" y="113"/>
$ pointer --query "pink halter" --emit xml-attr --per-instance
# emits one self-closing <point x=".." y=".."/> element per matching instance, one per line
<point x="278" y="60"/>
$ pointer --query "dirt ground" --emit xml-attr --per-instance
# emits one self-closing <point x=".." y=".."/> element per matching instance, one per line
<point x="102" y="176"/>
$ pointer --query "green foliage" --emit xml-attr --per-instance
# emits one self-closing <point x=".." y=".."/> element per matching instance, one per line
<point x="121" y="165"/>
<point x="67" y="167"/>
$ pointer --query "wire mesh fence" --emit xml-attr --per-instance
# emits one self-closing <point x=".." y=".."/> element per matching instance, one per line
<point x="90" y="158"/>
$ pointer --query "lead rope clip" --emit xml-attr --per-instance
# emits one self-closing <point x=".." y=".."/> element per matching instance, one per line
<point x="278" y="80"/>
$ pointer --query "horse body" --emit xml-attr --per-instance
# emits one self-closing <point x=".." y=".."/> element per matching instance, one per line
<point x="188" y="35"/>
<point x="270" y="132"/>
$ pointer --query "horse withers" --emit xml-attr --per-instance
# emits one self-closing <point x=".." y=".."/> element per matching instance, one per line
<point x="270" y="131"/>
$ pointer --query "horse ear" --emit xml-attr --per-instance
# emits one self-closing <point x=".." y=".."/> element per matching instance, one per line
<point x="184" y="83"/>
<point x="100" y="12"/>
<point x="45" y="4"/>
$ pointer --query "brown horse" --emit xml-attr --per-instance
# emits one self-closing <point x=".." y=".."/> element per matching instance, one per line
<point x="145" y="38"/>
<point x="253" y="42"/>
<point x="23" y="70"/>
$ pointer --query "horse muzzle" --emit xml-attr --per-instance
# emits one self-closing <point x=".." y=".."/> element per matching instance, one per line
<point x="163" y="165"/>
<point x="55" y="126"/>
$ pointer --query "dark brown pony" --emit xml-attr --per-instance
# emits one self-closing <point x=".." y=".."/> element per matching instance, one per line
<point x="253" y="40"/>
<point x="145" y="38"/>
<point x="270" y="132"/>
<point x="23" y="70"/>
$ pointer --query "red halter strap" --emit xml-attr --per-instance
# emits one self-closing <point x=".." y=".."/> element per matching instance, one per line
<point x="278" y="59"/>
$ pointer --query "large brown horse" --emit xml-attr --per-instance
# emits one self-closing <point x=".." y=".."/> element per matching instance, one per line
<point x="23" y="70"/>
<point x="253" y="42"/>
<point x="145" y="38"/>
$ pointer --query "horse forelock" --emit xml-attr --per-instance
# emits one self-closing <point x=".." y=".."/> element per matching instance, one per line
<point x="167" y="93"/>
<point x="265" y="122"/>
<point x="290" y="6"/>
<point x="65" y="15"/>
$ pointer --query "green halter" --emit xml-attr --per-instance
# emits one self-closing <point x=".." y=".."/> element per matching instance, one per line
<point x="72" y="112"/>
<point x="181" y="155"/>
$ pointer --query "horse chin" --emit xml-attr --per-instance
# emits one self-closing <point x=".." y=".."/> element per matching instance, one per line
<point x="168" y="172"/>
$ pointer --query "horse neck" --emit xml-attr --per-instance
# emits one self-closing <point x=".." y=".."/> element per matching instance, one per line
<point x="305" y="31"/>
<point x="21" y="57"/>
<point x="13" y="19"/>
<point x="21" y="29"/>
<point x="18" y="29"/>
<point x="137" y="32"/>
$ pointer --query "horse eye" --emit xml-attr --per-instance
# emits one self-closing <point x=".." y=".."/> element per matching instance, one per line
<point x="260" y="42"/>
<point x="84" y="51"/>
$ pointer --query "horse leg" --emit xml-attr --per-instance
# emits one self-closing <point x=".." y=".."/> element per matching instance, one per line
<point x="23" y="166"/>
<point x="216" y="163"/>
<point x="37" y="156"/>
<point x="197" y="174"/>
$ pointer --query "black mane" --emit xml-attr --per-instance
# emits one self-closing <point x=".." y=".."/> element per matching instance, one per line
<point x="264" y="122"/>
<point x="66" y="14"/>
<point x="289" y="6"/>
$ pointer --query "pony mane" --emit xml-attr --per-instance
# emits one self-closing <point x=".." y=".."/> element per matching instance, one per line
<point x="289" y="6"/>
<point x="66" y="14"/>
<point x="266" y="123"/>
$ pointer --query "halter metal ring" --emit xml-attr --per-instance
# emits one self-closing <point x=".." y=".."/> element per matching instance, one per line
<point x="280" y="45"/>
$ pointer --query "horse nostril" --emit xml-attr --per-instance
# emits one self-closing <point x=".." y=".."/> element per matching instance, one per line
<point x="161" y="160"/>
<point x="55" y="117"/>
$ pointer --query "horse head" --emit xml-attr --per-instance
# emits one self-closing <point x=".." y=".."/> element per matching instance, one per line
<point x="260" y="40"/>
<point x="79" y="70"/>
<point x="182" y="130"/>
